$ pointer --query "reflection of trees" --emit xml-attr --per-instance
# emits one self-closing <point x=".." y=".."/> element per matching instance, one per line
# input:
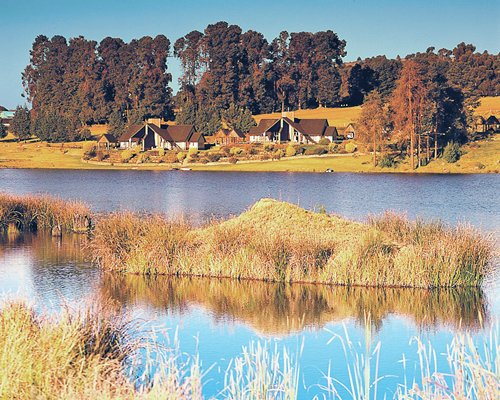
<point x="278" y="308"/>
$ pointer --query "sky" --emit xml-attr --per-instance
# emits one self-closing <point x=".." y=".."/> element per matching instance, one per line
<point x="370" y="27"/>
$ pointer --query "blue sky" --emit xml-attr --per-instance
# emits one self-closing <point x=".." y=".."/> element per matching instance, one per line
<point x="370" y="27"/>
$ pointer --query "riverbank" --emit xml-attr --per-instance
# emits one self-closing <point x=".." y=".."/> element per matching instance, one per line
<point x="479" y="157"/>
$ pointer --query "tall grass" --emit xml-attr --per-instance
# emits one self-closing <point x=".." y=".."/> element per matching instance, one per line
<point x="91" y="354"/>
<point x="280" y="242"/>
<point x="32" y="213"/>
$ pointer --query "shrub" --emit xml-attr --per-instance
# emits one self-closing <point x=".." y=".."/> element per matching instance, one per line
<point x="161" y="152"/>
<point x="126" y="155"/>
<point x="290" y="151"/>
<point x="203" y="160"/>
<point x="99" y="155"/>
<point x="193" y="151"/>
<point x="181" y="156"/>
<point x="278" y="154"/>
<point x="350" y="147"/>
<point x="387" y="161"/>
<point x="143" y="158"/>
<point x="479" y="165"/>
<point x="333" y="148"/>
<point x="324" y="142"/>
<point x="213" y="157"/>
<point x="226" y="149"/>
<point x="315" y="151"/>
<point x="232" y="160"/>
<point x="235" y="151"/>
<point x="170" y="158"/>
<point x="89" y="151"/>
<point x="452" y="152"/>
<point x="269" y="147"/>
<point x="264" y="157"/>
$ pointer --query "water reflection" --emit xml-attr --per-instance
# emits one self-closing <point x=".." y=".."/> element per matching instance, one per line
<point x="280" y="309"/>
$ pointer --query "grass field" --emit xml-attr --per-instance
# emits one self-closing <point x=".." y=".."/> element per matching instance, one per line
<point x="480" y="157"/>
<point x="339" y="117"/>
<point x="489" y="106"/>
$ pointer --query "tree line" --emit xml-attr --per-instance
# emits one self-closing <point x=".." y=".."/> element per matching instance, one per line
<point x="228" y="75"/>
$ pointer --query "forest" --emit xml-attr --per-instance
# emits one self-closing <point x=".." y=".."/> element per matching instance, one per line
<point x="230" y="75"/>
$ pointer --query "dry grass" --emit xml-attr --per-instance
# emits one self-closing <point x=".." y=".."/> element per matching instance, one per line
<point x="31" y="213"/>
<point x="278" y="241"/>
<point x="489" y="105"/>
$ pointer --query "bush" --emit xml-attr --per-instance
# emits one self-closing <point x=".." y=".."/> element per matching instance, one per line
<point x="143" y="158"/>
<point x="89" y="151"/>
<point x="235" y="151"/>
<point x="161" y="152"/>
<point x="290" y="151"/>
<point x="315" y="151"/>
<point x="269" y="147"/>
<point x="350" y="147"/>
<point x="264" y="157"/>
<point x="452" y="152"/>
<point x="181" y="156"/>
<point x="333" y="148"/>
<point x="193" y="151"/>
<point x="233" y="160"/>
<point x="278" y="154"/>
<point x="99" y="155"/>
<point x="324" y="142"/>
<point x="226" y="149"/>
<point x="126" y="155"/>
<point x="387" y="161"/>
<point x="170" y="158"/>
<point x="203" y="160"/>
<point x="213" y="157"/>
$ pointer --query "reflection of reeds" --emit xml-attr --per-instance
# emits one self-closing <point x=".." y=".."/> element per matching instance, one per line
<point x="30" y="213"/>
<point x="279" y="308"/>
<point x="280" y="242"/>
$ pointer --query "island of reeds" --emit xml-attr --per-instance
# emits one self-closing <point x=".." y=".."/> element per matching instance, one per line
<point x="272" y="241"/>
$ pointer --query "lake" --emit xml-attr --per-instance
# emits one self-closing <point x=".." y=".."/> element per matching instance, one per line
<point x="215" y="317"/>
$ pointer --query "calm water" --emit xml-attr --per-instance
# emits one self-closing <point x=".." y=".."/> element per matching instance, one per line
<point x="217" y="317"/>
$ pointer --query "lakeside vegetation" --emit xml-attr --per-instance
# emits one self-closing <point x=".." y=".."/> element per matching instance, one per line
<point x="92" y="354"/>
<point x="281" y="242"/>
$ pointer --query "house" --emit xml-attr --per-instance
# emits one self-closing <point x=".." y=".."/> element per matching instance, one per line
<point x="350" y="131"/>
<point x="224" y="137"/>
<point x="6" y="116"/>
<point x="291" y="129"/>
<point x="492" y="124"/>
<point x="106" y="141"/>
<point x="149" y="136"/>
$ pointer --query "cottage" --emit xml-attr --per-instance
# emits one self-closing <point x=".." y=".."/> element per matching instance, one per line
<point x="169" y="137"/>
<point x="492" y="124"/>
<point x="225" y="137"/>
<point x="350" y="131"/>
<point x="106" y="141"/>
<point x="6" y="117"/>
<point x="291" y="129"/>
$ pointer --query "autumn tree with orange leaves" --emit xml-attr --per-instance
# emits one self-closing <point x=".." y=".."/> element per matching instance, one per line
<point x="410" y="102"/>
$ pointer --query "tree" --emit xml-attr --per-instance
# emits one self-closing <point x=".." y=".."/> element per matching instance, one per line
<point x="372" y="124"/>
<point x="21" y="123"/>
<point x="409" y="102"/>
<point x="3" y="131"/>
<point x="238" y="118"/>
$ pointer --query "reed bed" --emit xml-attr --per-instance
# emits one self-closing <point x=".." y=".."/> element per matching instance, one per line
<point x="90" y="354"/>
<point x="32" y="213"/>
<point x="280" y="242"/>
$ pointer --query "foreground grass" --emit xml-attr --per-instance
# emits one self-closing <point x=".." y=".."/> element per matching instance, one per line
<point x="278" y="241"/>
<point x="87" y="355"/>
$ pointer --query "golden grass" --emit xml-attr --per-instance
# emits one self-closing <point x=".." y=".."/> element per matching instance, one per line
<point x="488" y="106"/>
<point x="31" y="213"/>
<point x="278" y="241"/>
<point x="337" y="116"/>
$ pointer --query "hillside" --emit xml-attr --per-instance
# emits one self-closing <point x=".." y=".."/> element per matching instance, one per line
<point x="489" y="106"/>
<point x="338" y="116"/>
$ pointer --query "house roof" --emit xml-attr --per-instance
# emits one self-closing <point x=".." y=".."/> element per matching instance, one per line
<point x="264" y="125"/>
<point x="180" y="133"/>
<point x="479" y="120"/>
<point x="313" y="127"/>
<point x="131" y="131"/>
<point x="492" y="120"/>
<point x="196" y="136"/>
<point x="331" y="131"/>
<point x="107" y="138"/>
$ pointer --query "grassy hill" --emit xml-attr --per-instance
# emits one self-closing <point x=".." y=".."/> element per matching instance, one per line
<point x="489" y="106"/>
<point x="338" y="116"/>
